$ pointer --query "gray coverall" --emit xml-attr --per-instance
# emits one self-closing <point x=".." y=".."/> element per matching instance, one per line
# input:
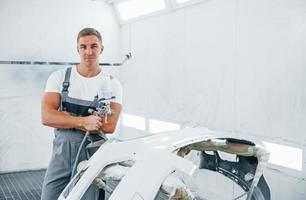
<point x="65" y="147"/>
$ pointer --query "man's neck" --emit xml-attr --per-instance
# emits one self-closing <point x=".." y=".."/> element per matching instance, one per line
<point x="88" y="71"/>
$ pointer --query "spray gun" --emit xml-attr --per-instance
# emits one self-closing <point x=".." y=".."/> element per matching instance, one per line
<point x="101" y="108"/>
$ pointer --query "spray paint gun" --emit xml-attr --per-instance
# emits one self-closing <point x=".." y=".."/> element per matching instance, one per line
<point x="101" y="107"/>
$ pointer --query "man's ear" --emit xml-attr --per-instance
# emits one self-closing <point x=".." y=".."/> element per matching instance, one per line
<point x="102" y="48"/>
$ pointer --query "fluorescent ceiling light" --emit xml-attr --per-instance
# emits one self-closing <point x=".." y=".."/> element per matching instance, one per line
<point x="134" y="121"/>
<point x="182" y="1"/>
<point x="156" y="126"/>
<point x="133" y="8"/>
<point x="285" y="156"/>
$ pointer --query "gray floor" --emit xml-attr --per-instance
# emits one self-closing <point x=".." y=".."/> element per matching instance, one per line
<point x="21" y="185"/>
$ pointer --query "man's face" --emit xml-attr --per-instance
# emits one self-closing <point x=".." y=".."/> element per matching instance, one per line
<point x="89" y="48"/>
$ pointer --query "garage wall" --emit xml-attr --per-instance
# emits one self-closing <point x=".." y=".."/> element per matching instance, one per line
<point x="230" y="65"/>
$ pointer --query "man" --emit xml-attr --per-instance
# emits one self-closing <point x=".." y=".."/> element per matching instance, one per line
<point x="68" y="96"/>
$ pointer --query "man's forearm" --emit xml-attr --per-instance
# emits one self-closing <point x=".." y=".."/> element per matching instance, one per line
<point x="107" y="128"/>
<point x="58" y="119"/>
<point x="110" y="122"/>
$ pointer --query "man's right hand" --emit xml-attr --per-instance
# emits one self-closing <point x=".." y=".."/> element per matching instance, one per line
<point x="91" y="123"/>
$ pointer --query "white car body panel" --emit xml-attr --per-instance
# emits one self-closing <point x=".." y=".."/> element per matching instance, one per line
<point x="154" y="161"/>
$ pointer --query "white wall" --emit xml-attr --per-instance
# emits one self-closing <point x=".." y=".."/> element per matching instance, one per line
<point x="229" y="65"/>
<point x="38" y="30"/>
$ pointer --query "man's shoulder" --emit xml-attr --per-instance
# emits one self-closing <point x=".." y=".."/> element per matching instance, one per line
<point x="57" y="75"/>
<point x="109" y="76"/>
<point x="55" y="80"/>
<point x="60" y="71"/>
<point x="114" y="80"/>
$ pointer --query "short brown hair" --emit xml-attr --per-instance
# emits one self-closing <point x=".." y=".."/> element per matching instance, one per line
<point x="89" y="31"/>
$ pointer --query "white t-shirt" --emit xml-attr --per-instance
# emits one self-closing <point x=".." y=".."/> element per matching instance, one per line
<point x="86" y="88"/>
